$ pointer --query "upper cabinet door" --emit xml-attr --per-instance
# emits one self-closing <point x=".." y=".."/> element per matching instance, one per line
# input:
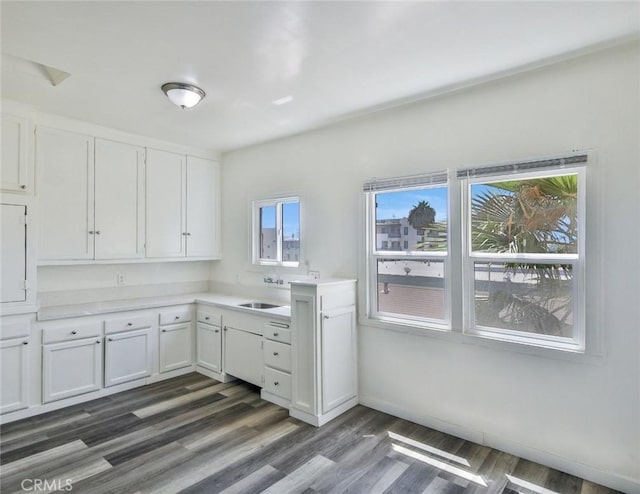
<point x="165" y="198"/>
<point x="203" y="195"/>
<point x="15" y="159"/>
<point x="64" y="161"/>
<point x="119" y="200"/>
<point x="13" y="240"/>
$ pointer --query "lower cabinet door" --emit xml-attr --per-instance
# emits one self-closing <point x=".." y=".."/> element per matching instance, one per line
<point x="14" y="376"/>
<point x="176" y="347"/>
<point x="71" y="368"/>
<point x="243" y="355"/>
<point x="127" y="356"/>
<point x="209" y="347"/>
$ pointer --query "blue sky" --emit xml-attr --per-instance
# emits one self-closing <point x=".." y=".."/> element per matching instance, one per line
<point x="398" y="204"/>
<point x="290" y="218"/>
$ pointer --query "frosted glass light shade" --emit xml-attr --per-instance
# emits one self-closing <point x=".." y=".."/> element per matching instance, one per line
<point x="183" y="95"/>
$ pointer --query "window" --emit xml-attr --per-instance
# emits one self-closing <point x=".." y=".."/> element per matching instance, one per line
<point x="276" y="232"/>
<point x="523" y="258"/>
<point x="521" y="245"/>
<point x="408" y="284"/>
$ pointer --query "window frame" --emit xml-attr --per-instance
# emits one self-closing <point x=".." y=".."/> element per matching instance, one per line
<point x="469" y="258"/>
<point x="256" y="229"/>
<point x="374" y="255"/>
<point x="586" y="343"/>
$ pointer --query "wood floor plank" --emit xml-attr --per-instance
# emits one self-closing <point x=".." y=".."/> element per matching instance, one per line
<point x="175" y="481"/>
<point x="302" y="478"/>
<point x="414" y="479"/>
<point x="181" y="400"/>
<point x="193" y="434"/>
<point x="68" y="473"/>
<point x="563" y="482"/>
<point x="378" y="478"/>
<point x="41" y="457"/>
<point x="255" y="482"/>
<point x="172" y="435"/>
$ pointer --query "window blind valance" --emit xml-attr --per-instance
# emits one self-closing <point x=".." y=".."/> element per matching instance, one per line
<point x="521" y="166"/>
<point x="375" y="184"/>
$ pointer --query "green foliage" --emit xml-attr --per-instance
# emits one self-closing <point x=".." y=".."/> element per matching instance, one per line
<point x="536" y="216"/>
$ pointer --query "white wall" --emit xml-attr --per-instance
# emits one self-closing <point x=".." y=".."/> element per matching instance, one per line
<point x="89" y="283"/>
<point x="581" y="415"/>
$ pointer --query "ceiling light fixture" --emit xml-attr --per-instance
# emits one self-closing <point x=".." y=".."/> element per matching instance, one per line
<point x="183" y="95"/>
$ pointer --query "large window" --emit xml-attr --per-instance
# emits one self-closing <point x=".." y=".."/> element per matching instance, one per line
<point x="408" y="245"/>
<point x="276" y="231"/>
<point x="520" y="244"/>
<point x="523" y="268"/>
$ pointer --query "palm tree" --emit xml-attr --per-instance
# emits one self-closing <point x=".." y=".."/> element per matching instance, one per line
<point x="534" y="216"/>
<point x="421" y="216"/>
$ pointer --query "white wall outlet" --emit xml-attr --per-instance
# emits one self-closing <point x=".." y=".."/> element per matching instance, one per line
<point x="315" y="274"/>
<point x="121" y="279"/>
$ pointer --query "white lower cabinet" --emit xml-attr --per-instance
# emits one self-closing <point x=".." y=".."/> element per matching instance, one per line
<point x="127" y="356"/>
<point x="324" y="350"/>
<point x="14" y="376"/>
<point x="243" y="355"/>
<point x="176" y="346"/>
<point x="209" y="347"/>
<point x="71" y="368"/>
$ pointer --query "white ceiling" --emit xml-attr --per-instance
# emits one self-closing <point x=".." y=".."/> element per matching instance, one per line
<point x="335" y="58"/>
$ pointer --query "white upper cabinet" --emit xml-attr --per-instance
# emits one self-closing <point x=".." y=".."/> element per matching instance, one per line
<point x="166" y="177"/>
<point x="15" y="156"/>
<point x="90" y="197"/>
<point x="119" y="200"/>
<point x="203" y="207"/>
<point x="182" y="206"/>
<point x="64" y="163"/>
<point x="13" y="241"/>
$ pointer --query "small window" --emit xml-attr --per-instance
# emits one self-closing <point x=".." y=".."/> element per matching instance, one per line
<point x="276" y="232"/>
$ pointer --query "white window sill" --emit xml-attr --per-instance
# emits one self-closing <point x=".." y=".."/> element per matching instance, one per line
<point x="522" y="347"/>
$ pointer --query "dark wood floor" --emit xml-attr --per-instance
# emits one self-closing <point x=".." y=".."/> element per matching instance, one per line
<point x="194" y="435"/>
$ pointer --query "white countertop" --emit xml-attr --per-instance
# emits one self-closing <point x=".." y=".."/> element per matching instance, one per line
<point x="96" y="308"/>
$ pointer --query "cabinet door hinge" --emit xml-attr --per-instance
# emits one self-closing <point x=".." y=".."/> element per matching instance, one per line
<point x="261" y="343"/>
<point x="26" y="285"/>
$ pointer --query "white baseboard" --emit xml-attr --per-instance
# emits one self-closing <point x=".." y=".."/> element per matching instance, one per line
<point x="67" y="402"/>
<point x="572" y="467"/>
<point x="218" y="376"/>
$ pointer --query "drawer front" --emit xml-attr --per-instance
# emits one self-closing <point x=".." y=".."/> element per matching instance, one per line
<point x="14" y="327"/>
<point x="278" y="331"/>
<point x="72" y="332"/>
<point x="208" y="316"/>
<point x="277" y="382"/>
<point x="127" y="323"/>
<point x="175" y="316"/>
<point x="277" y="355"/>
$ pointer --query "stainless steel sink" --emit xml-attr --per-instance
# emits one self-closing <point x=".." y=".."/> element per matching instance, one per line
<point x="259" y="305"/>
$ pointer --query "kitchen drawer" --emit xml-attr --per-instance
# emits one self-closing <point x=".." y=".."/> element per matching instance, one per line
<point x="278" y="331"/>
<point x="127" y="323"/>
<point x="72" y="331"/>
<point x="277" y="355"/>
<point x="175" y="316"/>
<point x="208" y="316"/>
<point x="277" y="382"/>
<point x="14" y="327"/>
